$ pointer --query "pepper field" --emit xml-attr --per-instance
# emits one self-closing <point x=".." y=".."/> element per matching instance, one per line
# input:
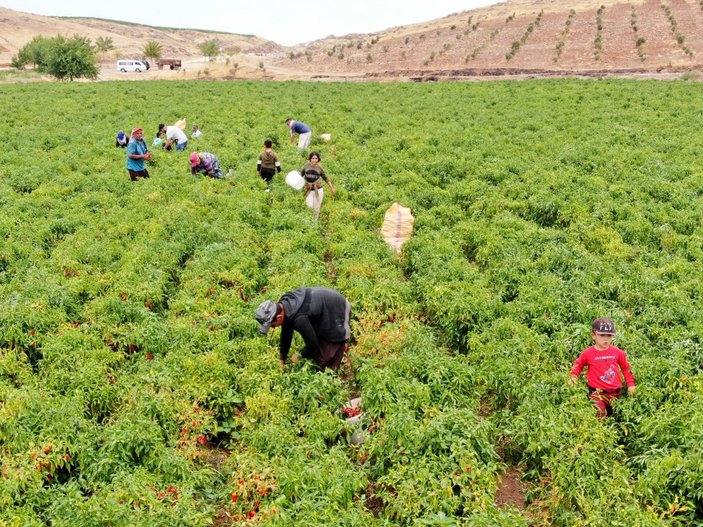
<point x="134" y="390"/>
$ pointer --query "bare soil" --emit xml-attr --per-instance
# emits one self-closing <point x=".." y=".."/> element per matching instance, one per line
<point x="511" y="491"/>
<point x="373" y="502"/>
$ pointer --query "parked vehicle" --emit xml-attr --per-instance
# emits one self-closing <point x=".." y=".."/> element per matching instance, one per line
<point x="172" y="64"/>
<point x="132" y="65"/>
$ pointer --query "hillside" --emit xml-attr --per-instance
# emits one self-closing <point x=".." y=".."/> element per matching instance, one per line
<point x="16" y="29"/>
<point x="528" y="37"/>
<point x="518" y="37"/>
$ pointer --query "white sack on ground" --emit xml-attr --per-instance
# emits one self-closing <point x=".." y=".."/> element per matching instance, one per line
<point x="397" y="226"/>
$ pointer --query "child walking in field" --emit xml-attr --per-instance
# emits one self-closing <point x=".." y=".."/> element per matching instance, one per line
<point x="605" y="362"/>
<point x="268" y="164"/>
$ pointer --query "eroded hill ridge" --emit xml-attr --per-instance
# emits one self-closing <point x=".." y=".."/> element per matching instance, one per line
<point x="518" y="37"/>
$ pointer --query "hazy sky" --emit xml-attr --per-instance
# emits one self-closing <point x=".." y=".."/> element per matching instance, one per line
<point x="284" y="21"/>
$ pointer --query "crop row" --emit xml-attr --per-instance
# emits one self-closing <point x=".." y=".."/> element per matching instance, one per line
<point x="133" y="387"/>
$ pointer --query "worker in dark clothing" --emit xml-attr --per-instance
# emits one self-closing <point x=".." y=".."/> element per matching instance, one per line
<point x="321" y="316"/>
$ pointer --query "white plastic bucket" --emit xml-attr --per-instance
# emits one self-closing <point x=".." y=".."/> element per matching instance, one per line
<point x="295" y="180"/>
<point x="326" y="137"/>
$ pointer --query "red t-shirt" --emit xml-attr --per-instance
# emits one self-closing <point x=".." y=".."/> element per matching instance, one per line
<point x="603" y="366"/>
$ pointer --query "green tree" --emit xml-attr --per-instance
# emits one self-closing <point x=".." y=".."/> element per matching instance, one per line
<point x="35" y="52"/>
<point x="152" y="50"/>
<point x="210" y="48"/>
<point x="104" y="44"/>
<point x="72" y="58"/>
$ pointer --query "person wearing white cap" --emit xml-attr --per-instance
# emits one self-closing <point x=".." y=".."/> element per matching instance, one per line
<point x="321" y="315"/>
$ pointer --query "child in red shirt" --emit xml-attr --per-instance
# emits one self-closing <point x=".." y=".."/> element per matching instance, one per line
<point x="603" y="360"/>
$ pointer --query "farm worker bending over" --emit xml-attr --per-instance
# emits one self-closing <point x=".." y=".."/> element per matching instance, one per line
<point x="206" y="163"/>
<point x="137" y="153"/>
<point x="313" y="173"/>
<point x="303" y="131"/>
<point x="321" y="316"/>
<point x="197" y="132"/>
<point x="121" y="140"/>
<point x="604" y="362"/>
<point x="173" y="134"/>
<point x="268" y="163"/>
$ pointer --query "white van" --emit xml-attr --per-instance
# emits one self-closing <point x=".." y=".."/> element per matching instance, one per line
<point x="131" y="65"/>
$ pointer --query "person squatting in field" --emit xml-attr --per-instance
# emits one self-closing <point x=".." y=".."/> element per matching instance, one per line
<point x="137" y="154"/>
<point x="121" y="140"/>
<point x="206" y="163"/>
<point x="321" y="315"/>
<point x="313" y="173"/>
<point x="303" y="130"/>
<point x="604" y="362"/>
<point x="172" y="135"/>
<point x="268" y="164"/>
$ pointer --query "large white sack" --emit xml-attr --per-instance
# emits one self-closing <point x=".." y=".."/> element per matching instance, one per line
<point x="397" y="226"/>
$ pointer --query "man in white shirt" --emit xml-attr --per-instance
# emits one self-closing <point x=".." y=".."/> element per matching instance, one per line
<point x="174" y="135"/>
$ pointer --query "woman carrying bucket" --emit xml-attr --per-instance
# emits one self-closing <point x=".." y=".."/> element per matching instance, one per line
<point x="312" y="173"/>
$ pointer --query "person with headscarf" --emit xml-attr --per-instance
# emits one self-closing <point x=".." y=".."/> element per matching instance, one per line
<point x="137" y="155"/>
<point x="206" y="163"/>
<point x="121" y="140"/>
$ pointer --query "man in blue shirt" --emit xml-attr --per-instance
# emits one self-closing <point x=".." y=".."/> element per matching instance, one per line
<point x="137" y="154"/>
<point x="303" y="131"/>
